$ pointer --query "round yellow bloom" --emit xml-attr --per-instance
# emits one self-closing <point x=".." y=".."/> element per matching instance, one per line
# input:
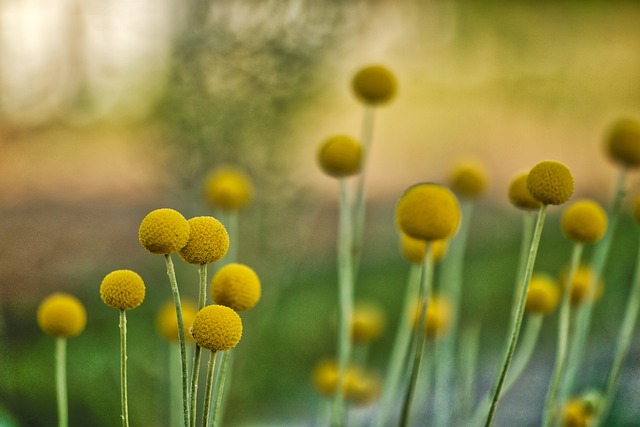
<point x="550" y="182"/>
<point x="340" y="156"/>
<point x="208" y="241"/>
<point x="367" y="323"/>
<point x="519" y="194"/>
<point x="623" y="143"/>
<point x="217" y="328"/>
<point x="543" y="295"/>
<point x="122" y="289"/>
<point x="167" y="321"/>
<point x="437" y="317"/>
<point x="428" y="212"/>
<point x="236" y="286"/>
<point x="576" y="413"/>
<point x="584" y="222"/>
<point x="62" y="315"/>
<point x="360" y="387"/>
<point x="469" y="181"/>
<point x="414" y="250"/>
<point x="636" y="209"/>
<point x="163" y="231"/>
<point x="374" y="85"/>
<point x="228" y="188"/>
<point x="583" y="280"/>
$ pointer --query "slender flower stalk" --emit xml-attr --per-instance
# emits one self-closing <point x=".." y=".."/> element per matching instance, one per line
<point x="174" y="389"/>
<point x="470" y="342"/>
<point x="61" y="381"/>
<point x="208" y="389"/>
<point x="195" y="374"/>
<point x="220" y="381"/>
<point x="527" y="232"/>
<point x="123" y="369"/>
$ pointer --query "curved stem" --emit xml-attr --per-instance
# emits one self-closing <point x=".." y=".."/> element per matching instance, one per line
<point x="525" y="243"/>
<point x="221" y="380"/>
<point x="123" y="369"/>
<point x="470" y="342"/>
<point x="208" y="389"/>
<point x="502" y="375"/>
<point x="61" y="381"/>
<point x="183" y="350"/>
<point x="195" y="374"/>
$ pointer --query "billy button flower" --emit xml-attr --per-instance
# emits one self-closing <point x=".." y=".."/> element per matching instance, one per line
<point x="228" y="188"/>
<point x="62" y="316"/>
<point x="438" y="316"/>
<point x="236" y="286"/>
<point x="374" y="85"/>
<point x="584" y="222"/>
<point x="340" y="156"/>
<point x="582" y="281"/>
<point x="163" y="231"/>
<point x="414" y="250"/>
<point x="360" y="388"/>
<point x="577" y="413"/>
<point x="543" y="295"/>
<point x="623" y="143"/>
<point x="550" y="182"/>
<point x="469" y="181"/>
<point x="367" y="323"/>
<point x="167" y="322"/>
<point x="123" y="290"/>
<point x="519" y="194"/>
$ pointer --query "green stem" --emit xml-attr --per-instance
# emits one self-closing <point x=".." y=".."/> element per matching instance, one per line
<point x="470" y="342"/>
<point x="181" y="340"/>
<point x="419" y="335"/>
<point x="537" y="233"/>
<point x="174" y="389"/>
<point x="221" y="382"/>
<point x="123" y="368"/>
<point x="563" y="338"/>
<point x="61" y="381"/>
<point x="399" y="350"/>
<point x="231" y="222"/>
<point x="527" y="232"/>
<point x="195" y="374"/>
<point x="208" y="389"/>
<point x="622" y="347"/>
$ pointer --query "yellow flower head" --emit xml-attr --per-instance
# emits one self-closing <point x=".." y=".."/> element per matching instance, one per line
<point x="208" y="241"/>
<point x="623" y="143"/>
<point x="576" y="413"/>
<point x="167" y="321"/>
<point x="228" y="188"/>
<point x="636" y="209"/>
<point x="62" y="315"/>
<point x="360" y="387"/>
<point x="469" y="181"/>
<point x="236" y="286"/>
<point x="374" y="85"/>
<point x="543" y="295"/>
<point x="122" y="289"/>
<point x="583" y="280"/>
<point x="367" y="323"/>
<point x="550" y="182"/>
<point x="428" y="212"/>
<point x="340" y="156"/>
<point x="584" y="222"/>
<point x="519" y="194"/>
<point x="414" y="250"/>
<point x="163" y="231"/>
<point x="217" y="328"/>
<point x="437" y="317"/>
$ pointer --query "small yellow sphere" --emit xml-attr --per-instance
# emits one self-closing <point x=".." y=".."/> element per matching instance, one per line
<point x="584" y="222"/>
<point x="163" y="231"/>
<point x="217" y="328"/>
<point x="623" y="143"/>
<point x="550" y="182"/>
<point x="122" y="289"/>
<point x="636" y="209"/>
<point x="62" y="315"/>
<point x="208" y="241"/>
<point x="367" y="322"/>
<point x="576" y="413"/>
<point x="519" y="194"/>
<point x="360" y="388"/>
<point x="438" y="316"/>
<point x="469" y="181"/>
<point x="340" y="156"/>
<point x="228" y="188"/>
<point x="428" y="212"/>
<point x="236" y="286"/>
<point x="167" y="320"/>
<point x="374" y="85"/>
<point x="583" y="282"/>
<point x="414" y="250"/>
<point x="543" y="295"/>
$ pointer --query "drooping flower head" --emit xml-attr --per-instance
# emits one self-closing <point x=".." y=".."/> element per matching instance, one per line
<point x="584" y="222"/>
<point x="122" y="289"/>
<point x="543" y="294"/>
<point x="208" y="241"/>
<point x="374" y="85"/>
<point x="217" y="328"/>
<point x="228" y="188"/>
<point x="236" y="286"/>
<point x="62" y="315"/>
<point x="550" y="182"/>
<point x="519" y="194"/>
<point x="428" y="212"/>
<point x="163" y="231"/>
<point x="340" y="156"/>
<point x="167" y="321"/>
<point x="623" y="143"/>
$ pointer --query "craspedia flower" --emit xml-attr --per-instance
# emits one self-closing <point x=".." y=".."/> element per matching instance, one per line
<point x="236" y="286"/>
<point x="636" y="209"/>
<point x="428" y="212"/>
<point x="62" y="315"/>
<point x="438" y="316"/>
<point x="208" y="241"/>
<point x="543" y="295"/>
<point x="122" y="289"/>
<point x="414" y="250"/>
<point x="228" y="188"/>
<point x="469" y="181"/>
<point x="167" y="321"/>
<point x="550" y="182"/>
<point x="340" y="156"/>
<point x="360" y="387"/>
<point x="584" y="221"/>
<point x="367" y="323"/>
<point x="623" y="143"/>
<point x="519" y="194"/>
<point x="583" y="281"/>
<point x="217" y="328"/>
<point x="163" y="231"/>
<point x="576" y="413"/>
<point x="374" y="85"/>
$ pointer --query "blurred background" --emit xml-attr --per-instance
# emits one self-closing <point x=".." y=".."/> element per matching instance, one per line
<point x="112" y="108"/>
